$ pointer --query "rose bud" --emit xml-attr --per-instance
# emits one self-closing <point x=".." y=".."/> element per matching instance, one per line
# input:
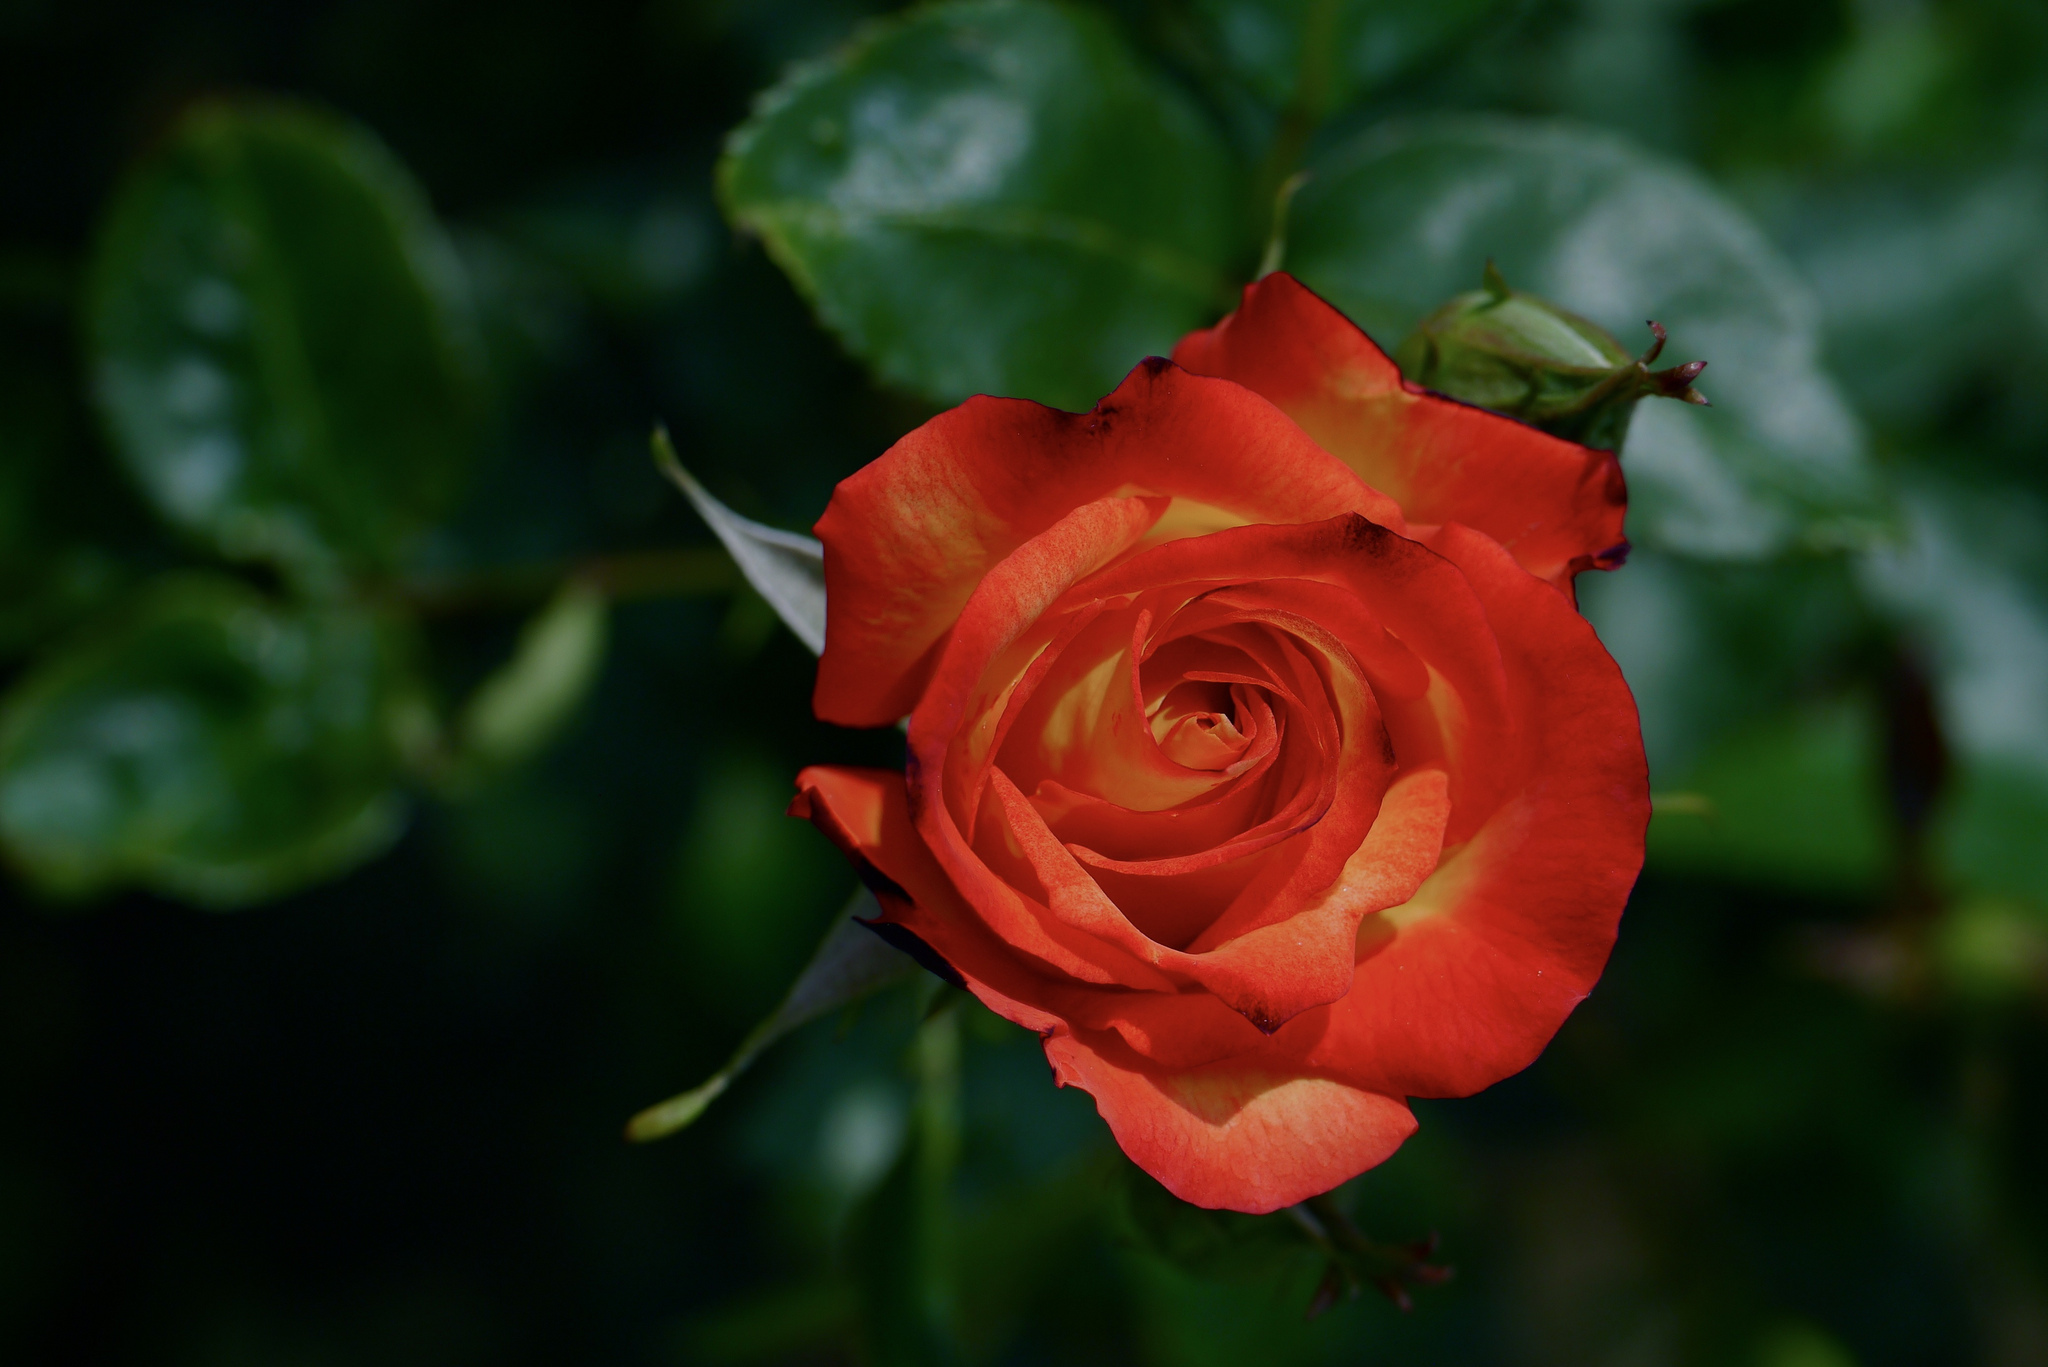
<point x="1258" y="758"/>
<point x="1518" y="354"/>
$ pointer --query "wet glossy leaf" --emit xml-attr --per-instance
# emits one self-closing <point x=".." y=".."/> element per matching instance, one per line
<point x="990" y="197"/>
<point x="1398" y="221"/>
<point x="1319" y="55"/>
<point x="211" y="745"/>
<point x="279" y="340"/>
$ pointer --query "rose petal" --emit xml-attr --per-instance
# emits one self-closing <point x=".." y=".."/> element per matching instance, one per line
<point x="1386" y="869"/>
<point x="1416" y="595"/>
<point x="1510" y="933"/>
<point x="1010" y="603"/>
<point x="1556" y="505"/>
<point x="1270" y="971"/>
<point x="1085" y="728"/>
<point x="909" y="536"/>
<point x="1234" y="1138"/>
<point x="866" y="813"/>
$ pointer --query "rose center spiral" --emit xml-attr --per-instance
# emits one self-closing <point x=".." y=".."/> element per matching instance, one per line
<point x="1199" y="725"/>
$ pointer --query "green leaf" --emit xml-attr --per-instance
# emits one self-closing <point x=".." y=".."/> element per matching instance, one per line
<point x="51" y="571"/>
<point x="521" y="707"/>
<point x="1928" y="296"/>
<point x="850" y="963"/>
<point x="1970" y="585"/>
<point x="1317" y="56"/>
<point x="786" y="569"/>
<point x="280" y="342"/>
<point x="991" y="197"/>
<point x="1394" y="223"/>
<point x="1710" y="649"/>
<point x="1795" y="801"/>
<point x="211" y="745"/>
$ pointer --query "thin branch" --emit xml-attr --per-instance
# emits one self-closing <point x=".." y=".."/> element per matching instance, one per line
<point x="686" y="572"/>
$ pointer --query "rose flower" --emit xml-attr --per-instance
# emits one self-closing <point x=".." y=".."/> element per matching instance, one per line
<point x="1258" y="757"/>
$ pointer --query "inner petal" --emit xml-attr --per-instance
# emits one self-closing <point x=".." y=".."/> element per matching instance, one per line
<point x="1087" y="723"/>
<point x="1197" y="727"/>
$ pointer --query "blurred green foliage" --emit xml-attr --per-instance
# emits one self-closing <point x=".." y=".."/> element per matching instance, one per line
<point x="280" y="341"/>
<point x="334" y="575"/>
<point x="1308" y="59"/>
<point x="208" y="744"/>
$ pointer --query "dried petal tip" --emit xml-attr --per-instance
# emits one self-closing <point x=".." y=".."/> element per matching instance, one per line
<point x="1673" y="382"/>
<point x="1656" y="346"/>
<point x="1265" y="1021"/>
<point x="1676" y="383"/>
<point x="1517" y="354"/>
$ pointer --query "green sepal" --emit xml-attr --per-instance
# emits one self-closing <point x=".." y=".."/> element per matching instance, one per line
<point x="1518" y="354"/>
<point x="849" y="963"/>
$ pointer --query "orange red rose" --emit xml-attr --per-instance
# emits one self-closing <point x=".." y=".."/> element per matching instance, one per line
<point x="1258" y="757"/>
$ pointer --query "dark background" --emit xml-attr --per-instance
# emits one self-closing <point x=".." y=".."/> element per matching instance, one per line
<point x="378" y="1121"/>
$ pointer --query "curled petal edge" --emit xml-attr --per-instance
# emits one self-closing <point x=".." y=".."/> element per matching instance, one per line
<point x="1235" y="1135"/>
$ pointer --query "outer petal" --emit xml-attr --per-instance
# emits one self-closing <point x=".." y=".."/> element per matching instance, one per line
<point x="1242" y="1136"/>
<point x="866" y="813"/>
<point x="1466" y="982"/>
<point x="909" y="536"/>
<point x="1556" y="505"/>
<point x="1236" y="1138"/>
